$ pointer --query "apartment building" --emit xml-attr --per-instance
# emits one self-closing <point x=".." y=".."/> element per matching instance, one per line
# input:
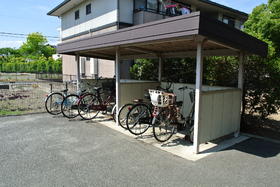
<point x="86" y="18"/>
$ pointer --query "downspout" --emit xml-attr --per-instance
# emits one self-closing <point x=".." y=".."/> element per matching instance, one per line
<point x="118" y="12"/>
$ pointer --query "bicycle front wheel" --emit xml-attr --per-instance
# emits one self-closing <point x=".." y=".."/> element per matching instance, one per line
<point x="53" y="103"/>
<point x="138" y="119"/>
<point x="69" y="106"/>
<point x="163" y="129"/>
<point x="88" y="106"/>
<point x="123" y="113"/>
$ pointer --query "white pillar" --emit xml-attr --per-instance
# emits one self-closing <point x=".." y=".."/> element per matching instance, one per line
<point x="160" y="69"/>
<point x="240" y="84"/>
<point x="117" y="73"/>
<point x="78" y="72"/>
<point x="198" y="86"/>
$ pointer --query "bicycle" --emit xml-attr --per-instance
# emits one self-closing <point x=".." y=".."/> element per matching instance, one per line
<point x="53" y="101"/>
<point x="69" y="105"/>
<point x="139" y="117"/>
<point x="90" y="104"/>
<point x="167" y="116"/>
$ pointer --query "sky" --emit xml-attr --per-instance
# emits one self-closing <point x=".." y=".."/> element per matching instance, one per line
<point x="27" y="16"/>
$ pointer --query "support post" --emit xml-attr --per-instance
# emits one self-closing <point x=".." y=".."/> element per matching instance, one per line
<point x="159" y="69"/>
<point x="117" y="73"/>
<point x="240" y="84"/>
<point x="241" y="70"/>
<point x="78" y="72"/>
<point x="198" y="86"/>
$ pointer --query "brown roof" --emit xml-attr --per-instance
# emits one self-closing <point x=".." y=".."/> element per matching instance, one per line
<point x="172" y="37"/>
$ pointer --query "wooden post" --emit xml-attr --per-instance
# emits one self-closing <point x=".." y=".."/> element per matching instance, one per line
<point x="159" y="69"/>
<point x="198" y="86"/>
<point x="78" y="72"/>
<point x="117" y="73"/>
<point x="240" y="84"/>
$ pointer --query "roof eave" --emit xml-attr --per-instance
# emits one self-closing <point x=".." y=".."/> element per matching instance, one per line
<point x="51" y="13"/>
<point x="225" y="7"/>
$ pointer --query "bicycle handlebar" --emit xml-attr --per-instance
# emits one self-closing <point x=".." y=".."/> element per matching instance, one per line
<point x="186" y="87"/>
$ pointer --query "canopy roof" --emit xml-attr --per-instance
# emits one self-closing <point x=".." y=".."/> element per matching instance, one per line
<point x="171" y="37"/>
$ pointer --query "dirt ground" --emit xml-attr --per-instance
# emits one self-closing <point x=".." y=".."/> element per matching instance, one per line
<point x="24" y="98"/>
<point x="267" y="128"/>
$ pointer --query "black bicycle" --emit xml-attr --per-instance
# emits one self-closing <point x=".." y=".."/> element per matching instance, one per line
<point x="69" y="105"/>
<point x="139" y="117"/>
<point x="90" y="104"/>
<point x="54" y="100"/>
<point x="167" y="115"/>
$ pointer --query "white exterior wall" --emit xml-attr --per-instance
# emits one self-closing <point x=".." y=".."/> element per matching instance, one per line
<point x="103" y="13"/>
<point x="126" y="11"/>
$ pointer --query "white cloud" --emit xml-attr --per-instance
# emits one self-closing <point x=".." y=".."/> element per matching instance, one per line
<point x="11" y="43"/>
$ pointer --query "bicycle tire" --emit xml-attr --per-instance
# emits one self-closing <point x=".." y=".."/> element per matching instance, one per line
<point x="191" y="134"/>
<point x="57" y="103"/>
<point x="122" y="115"/>
<point x="163" y="130"/>
<point x="114" y="113"/>
<point x="85" y="106"/>
<point x="139" y="119"/>
<point x="69" y="106"/>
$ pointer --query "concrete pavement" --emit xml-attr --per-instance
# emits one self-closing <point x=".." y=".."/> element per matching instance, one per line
<point x="42" y="150"/>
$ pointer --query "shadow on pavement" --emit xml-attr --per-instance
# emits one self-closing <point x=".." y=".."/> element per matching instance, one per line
<point x="258" y="147"/>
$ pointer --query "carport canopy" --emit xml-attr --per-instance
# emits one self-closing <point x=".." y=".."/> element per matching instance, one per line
<point x="172" y="37"/>
<point x="192" y="35"/>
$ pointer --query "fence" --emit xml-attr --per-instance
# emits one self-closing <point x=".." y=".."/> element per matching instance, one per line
<point x="27" y="97"/>
<point x="49" y="76"/>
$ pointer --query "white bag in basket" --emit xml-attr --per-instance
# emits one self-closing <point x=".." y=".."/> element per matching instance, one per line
<point x="160" y="98"/>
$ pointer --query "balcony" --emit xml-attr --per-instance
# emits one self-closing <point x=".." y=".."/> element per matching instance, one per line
<point x="144" y="16"/>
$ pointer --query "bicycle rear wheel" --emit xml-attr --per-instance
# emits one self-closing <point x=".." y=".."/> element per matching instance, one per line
<point x="69" y="106"/>
<point x="162" y="128"/>
<point x="87" y="106"/>
<point x="53" y="103"/>
<point x="123" y="113"/>
<point x="139" y="119"/>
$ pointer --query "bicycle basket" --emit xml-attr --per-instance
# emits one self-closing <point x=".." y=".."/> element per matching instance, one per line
<point x="161" y="99"/>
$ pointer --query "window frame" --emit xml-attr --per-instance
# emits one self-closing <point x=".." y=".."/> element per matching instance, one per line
<point x="158" y="6"/>
<point x="77" y="14"/>
<point x="229" y="19"/>
<point x="88" y="10"/>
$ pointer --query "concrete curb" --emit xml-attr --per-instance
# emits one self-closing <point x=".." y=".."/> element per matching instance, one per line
<point x="23" y="114"/>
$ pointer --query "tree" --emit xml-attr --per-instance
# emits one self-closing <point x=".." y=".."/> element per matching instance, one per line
<point x="36" y="45"/>
<point x="9" y="52"/>
<point x="261" y="87"/>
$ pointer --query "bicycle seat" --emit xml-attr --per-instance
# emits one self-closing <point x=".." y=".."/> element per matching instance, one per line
<point x="97" y="88"/>
<point x="138" y="100"/>
<point x="179" y="103"/>
<point x="66" y="90"/>
<point x="83" y="91"/>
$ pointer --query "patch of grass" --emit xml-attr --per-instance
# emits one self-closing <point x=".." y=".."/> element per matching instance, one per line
<point x="10" y="112"/>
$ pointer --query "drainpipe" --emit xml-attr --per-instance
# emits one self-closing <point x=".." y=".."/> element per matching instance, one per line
<point x="118" y="12"/>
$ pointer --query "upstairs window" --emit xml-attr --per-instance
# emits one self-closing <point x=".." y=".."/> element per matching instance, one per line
<point x="88" y="9"/>
<point x="229" y="20"/>
<point x="77" y="14"/>
<point x="140" y="5"/>
<point x="152" y="5"/>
